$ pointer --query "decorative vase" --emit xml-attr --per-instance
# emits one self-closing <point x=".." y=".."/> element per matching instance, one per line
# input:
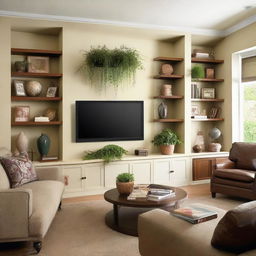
<point x="166" y="90"/>
<point x="166" y="69"/>
<point x="33" y="88"/>
<point x="20" y="66"/>
<point x="214" y="147"/>
<point x="51" y="113"/>
<point x="124" y="188"/>
<point x="167" y="149"/>
<point x="43" y="144"/>
<point x="162" y="110"/>
<point x="22" y="143"/>
<point x="197" y="148"/>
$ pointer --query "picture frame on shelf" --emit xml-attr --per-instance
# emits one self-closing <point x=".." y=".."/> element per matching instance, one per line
<point x="208" y="93"/>
<point x="51" y="91"/>
<point x="38" y="64"/>
<point x="210" y="73"/>
<point x="19" y="88"/>
<point x="21" y="113"/>
<point x="195" y="110"/>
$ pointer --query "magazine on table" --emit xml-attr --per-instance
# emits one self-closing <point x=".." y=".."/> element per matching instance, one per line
<point x="194" y="214"/>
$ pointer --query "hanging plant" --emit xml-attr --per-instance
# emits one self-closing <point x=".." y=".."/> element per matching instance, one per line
<point x="116" y="67"/>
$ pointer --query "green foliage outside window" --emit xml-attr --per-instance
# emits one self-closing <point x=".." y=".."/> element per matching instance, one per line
<point x="250" y="131"/>
<point x="250" y="93"/>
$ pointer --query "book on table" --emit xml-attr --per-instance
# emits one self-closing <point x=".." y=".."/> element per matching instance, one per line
<point x="194" y="214"/>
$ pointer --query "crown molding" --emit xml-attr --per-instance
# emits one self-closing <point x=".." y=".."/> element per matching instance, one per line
<point x="190" y="30"/>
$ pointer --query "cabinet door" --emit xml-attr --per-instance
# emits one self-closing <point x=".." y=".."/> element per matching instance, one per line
<point x="162" y="171"/>
<point x="142" y="172"/>
<point x="94" y="174"/>
<point x="111" y="172"/>
<point x="179" y="171"/>
<point x="202" y="168"/>
<point x="74" y="174"/>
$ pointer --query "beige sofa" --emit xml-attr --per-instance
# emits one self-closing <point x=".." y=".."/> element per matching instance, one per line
<point x="163" y="234"/>
<point x="27" y="212"/>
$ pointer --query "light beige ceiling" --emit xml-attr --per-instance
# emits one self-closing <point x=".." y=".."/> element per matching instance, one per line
<point x="198" y="16"/>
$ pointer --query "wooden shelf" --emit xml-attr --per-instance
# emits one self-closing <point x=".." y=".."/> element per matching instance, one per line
<point x="208" y="100"/>
<point x="168" y="59"/>
<point x="169" y="120"/>
<point x="43" y="75"/>
<point x="25" y="98"/>
<point x="168" y="77"/>
<point x="173" y="97"/>
<point x="35" y="52"/>
<point x="31" y="123"/>
<point x="207" y="80"/>
<point x="207" y="120"/>
<point x="209" y="61"/>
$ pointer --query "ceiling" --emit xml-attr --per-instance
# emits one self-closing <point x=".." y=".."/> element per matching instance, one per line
<point x="205" y="17"/>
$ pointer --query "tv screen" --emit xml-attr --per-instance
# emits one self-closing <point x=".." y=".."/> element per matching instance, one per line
<point x="109" y="120"/>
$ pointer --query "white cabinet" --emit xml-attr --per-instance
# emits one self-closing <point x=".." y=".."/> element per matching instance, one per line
<point x="173" y="172"/>
<point x="94" y="174"/>
<point x="162" y="171"/>
<point x="142" y="171"/>
<point x="111" y="172"/>
<point x="179" y="171"/>
<point x="74" y="174"/>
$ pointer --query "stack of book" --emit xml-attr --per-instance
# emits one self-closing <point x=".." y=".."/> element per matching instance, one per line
<point x="195" y="214"/>
<point x="42" y="119"/>
<point x="157" y="194"/>
<point x="195" y="91"/>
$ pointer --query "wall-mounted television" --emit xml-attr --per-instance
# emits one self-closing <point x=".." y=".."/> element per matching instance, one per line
<point x="109" y="121"/>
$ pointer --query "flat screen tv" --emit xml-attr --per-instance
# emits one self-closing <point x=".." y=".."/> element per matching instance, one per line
<point x="109" y="120"/>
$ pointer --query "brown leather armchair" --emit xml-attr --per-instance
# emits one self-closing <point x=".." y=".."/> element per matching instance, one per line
<point x="236" y="177"/>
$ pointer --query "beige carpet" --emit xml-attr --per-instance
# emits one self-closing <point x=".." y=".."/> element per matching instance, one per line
<point x="79" y="230"/>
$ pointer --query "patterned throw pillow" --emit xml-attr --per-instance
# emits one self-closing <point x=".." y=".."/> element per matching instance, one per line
<point x="19" y="170"/>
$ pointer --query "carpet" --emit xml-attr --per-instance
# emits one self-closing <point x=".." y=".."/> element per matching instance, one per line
<point x="79" y="230"/>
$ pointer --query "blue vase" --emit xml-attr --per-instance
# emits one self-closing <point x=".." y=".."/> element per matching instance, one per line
<point x="43" y="144"/>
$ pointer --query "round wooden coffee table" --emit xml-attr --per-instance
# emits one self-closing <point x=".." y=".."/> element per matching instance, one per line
<point x="125" y="219"/>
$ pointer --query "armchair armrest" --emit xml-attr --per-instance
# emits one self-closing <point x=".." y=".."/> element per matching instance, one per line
<point x="15" y="210"/>
<point x="49" y="173"/>
<point x="225" y="165"/>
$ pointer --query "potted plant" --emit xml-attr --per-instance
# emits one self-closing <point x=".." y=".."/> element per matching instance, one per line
<point x="107" y="153"/>
<point x="167" y="140"/>
<point x="106" y="67"/>
<point x="197" y="72"/>
<point x="124" y="183"/>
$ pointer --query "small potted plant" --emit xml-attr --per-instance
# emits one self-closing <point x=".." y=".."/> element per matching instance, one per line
<point x="197" y="72"/>
<point x="124" y="183"/>
<point x="167" y="140"/>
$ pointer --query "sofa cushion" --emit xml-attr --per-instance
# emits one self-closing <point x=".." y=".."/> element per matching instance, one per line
<point x="236" y="231"/>
<point x="235" y="174"/>
<point x="4" y="181"/>
<point x="244" y="155"/>
<point x="19" y="170"/>
<point x="46" y="199"/>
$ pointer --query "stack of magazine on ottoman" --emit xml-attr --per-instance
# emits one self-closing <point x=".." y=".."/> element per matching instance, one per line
<point x="194" y="214"/>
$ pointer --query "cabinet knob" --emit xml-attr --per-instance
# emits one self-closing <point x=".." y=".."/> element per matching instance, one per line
<point x="171" y="171"/>
<point x="83" y="178"/>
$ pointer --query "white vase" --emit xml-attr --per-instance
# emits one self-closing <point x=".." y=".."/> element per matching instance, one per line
<point x="22" y="142"/>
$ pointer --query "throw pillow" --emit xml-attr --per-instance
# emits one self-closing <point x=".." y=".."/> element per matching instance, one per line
<point x="236" y="231"/>
<point x="19" y="170"/>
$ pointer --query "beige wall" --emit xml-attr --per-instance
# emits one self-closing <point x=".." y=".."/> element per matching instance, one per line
<point x="237" y="41"/>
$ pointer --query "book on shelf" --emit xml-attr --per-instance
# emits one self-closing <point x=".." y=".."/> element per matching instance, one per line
<point x="41" y="119"/>
<point x="194" y="214"/>
<point x="195" y="91"/>
<point x="199" y="117"/>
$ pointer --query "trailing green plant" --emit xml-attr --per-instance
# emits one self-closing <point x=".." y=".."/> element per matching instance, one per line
<point x="107" y="153"/>
<point x="197" y="72"/>
<point x="125" y="177"/>
<point x="116" y="67"/>
<point x="166" y="137"/>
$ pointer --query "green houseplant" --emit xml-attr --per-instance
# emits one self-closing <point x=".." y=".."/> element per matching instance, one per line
<point x="167" y="140"/>
<point x="197" y="72"/>
<point x="107" y="153"/>
<point x="124" y="183"/>
<point x="106" y="67"/>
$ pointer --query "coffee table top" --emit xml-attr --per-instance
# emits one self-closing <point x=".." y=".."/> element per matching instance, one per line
<point x="114" y="197"/>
